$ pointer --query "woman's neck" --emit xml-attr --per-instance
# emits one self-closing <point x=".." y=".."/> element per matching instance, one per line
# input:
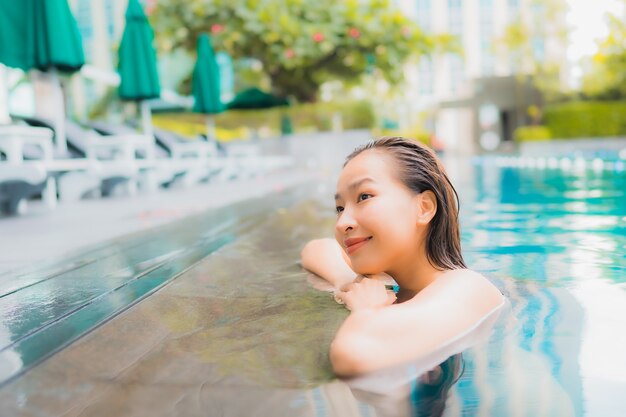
<point x="414" y="275"/>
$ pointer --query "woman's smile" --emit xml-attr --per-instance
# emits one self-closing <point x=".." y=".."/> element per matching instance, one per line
<point x="355" y="243"/>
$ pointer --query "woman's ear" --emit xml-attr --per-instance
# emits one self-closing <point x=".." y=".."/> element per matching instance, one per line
<point x="427" y="205"/>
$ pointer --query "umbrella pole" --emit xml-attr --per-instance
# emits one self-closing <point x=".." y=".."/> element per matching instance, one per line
<point x="210" y="128"/>
<point x="4" y="95"/>
<point x="59" y="122"/>
<point x="146" y="119"/>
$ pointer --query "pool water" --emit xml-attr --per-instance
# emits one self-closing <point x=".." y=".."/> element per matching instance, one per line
<point x="554" y="241"/>
<point x="235" y="328"/>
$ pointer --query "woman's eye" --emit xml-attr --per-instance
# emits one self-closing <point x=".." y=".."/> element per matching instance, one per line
<point x="364" y="196"/>
<point x="339" y="209"/>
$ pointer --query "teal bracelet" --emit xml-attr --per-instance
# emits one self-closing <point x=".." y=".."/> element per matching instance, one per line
<point x="394" y="288"/>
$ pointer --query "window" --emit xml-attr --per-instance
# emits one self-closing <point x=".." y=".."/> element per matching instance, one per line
<point x="455" y="17"/>
<point x="85" y="25"/>
<point x="426" y="79"/>
<point x="424" y="17"/>
<point x="457" y="72"/>
<point x="486" y="35"/>
<point x="513" y="10"/>
<point x="538" y="48"/>
<point x="109" y="10"/>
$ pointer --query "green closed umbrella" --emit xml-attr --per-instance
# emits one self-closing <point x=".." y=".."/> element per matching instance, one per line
<point x="253" y="98"/>
<point x="206" y="83"/>
<point x="137" y="63"/>
<point x="14" y="49"/>
<point x="43" y="35"/>
<point x="40" y="34"/>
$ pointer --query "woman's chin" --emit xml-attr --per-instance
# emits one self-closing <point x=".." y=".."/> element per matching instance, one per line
<point x="367" y="270"/>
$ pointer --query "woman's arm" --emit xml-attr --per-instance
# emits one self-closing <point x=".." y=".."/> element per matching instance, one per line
<point x="376" y="338"/>
<point x="325" y="258"/>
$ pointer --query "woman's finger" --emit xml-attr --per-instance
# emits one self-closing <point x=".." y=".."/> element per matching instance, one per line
<point x="360" y="278"/>
<point x="338" y="296"/>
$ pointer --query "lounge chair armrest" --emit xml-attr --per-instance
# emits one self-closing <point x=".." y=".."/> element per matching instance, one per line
<point x="13" y="138"/>
<point x="95" y="144"/>
<point x="136" y="139"/>
<point x="199" y="150"/>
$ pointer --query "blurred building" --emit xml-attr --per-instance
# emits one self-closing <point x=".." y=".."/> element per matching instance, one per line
<point x="100" y="23"/>
<point x="457" y="89"/>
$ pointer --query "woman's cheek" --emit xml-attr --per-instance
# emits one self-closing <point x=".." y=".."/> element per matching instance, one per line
<point x="370" y="261"/>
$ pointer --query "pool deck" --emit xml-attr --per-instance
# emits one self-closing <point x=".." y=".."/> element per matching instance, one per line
<point x="41" y="236"/>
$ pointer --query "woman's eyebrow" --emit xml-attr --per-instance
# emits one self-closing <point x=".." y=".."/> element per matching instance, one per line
<point x="356" y="184"/>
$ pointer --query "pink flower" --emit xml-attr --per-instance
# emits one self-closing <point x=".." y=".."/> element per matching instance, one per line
<point x="217" y="28"/>
<point x="289" y="53"/>
<point x="354" y="33"/>
<point x="318" y="37"/>
<point x="150" y="5"/>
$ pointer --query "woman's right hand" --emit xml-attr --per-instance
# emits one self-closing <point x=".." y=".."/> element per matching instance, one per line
<point x="365" y="292"/>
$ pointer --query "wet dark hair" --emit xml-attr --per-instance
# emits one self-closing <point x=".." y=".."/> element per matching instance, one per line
<point x="428" y="398"/>
<point x="420" y="170"/>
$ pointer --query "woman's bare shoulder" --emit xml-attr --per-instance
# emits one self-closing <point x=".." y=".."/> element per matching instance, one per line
<point x="464" y="284"/>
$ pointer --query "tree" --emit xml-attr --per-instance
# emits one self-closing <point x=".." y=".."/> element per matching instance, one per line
<point x="300" y="43"/>
<point x="605" y="77"/>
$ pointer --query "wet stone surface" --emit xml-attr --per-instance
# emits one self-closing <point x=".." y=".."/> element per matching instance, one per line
<point x="239" y="330"/>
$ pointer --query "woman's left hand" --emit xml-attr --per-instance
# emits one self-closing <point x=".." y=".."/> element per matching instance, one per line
<point x="365" y="293"/>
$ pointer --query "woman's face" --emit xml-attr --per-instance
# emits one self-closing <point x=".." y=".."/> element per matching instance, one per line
<point x="376" y="214"/>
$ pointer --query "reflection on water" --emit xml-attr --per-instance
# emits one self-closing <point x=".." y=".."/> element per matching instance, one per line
<point x="423" y="394"/>
<point x="545" y="236"/>
<point x="422" y="387"/>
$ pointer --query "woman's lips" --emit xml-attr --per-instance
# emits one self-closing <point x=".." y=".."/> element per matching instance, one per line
<point x="353" y="244"/>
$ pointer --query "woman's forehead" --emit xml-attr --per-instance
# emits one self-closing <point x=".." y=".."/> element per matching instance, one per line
<point x="370" y="160"/>
<point x="372" y="164"/>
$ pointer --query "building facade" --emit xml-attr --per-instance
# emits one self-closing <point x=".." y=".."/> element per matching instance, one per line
<point x="449" y="86"/>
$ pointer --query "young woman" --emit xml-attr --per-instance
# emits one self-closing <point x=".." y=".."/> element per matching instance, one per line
<point x="397" y="216"/>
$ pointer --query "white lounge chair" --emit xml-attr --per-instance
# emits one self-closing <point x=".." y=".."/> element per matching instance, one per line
<point x="91" y="166"/>
<point x="192" y="161"/>
<point x="20" y="180"/>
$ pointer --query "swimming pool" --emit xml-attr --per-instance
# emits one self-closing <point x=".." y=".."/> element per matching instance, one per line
<point x="554" y="238"/>
<point x="239" y="331"/>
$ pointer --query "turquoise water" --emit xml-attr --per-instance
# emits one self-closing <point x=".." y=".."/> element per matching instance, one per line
<point x="554" y="241"/>
<point x="545" y="225"/>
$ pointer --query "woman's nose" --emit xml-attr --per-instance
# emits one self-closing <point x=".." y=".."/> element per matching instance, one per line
<point x="345" y="222"/>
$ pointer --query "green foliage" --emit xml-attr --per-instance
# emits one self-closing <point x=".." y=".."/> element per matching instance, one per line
<point x="415" y="131"/>
<point x="606" y="70"/>
<point x="304" y="117"/>
<point x="300" y="43"/>
<point x="532" y="133"/>
<point x="586" y="119"/>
